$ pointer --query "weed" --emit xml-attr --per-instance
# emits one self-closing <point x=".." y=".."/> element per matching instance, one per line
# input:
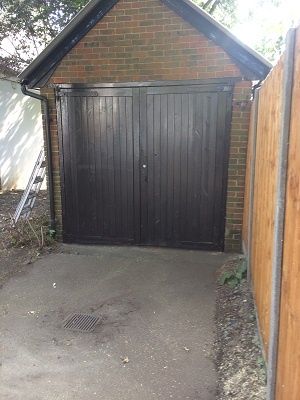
<point x="234" y="277"/>
<point x="52" y="233"/>
<point x="33" y="232"/>
<point x="262" y="368"/>
<point x="261" y="363"/>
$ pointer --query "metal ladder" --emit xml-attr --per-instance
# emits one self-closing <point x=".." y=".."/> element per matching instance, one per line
<point x="28" y="198"/>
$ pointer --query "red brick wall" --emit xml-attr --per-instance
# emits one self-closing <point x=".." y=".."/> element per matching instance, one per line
<point x="237" y="165"/>
<point x="143" y="40"/>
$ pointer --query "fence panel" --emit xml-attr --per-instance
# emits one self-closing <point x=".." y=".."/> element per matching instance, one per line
<point x="288" y="363"/>
<point x="266" y="165"/>
<point x="277" y="276"/>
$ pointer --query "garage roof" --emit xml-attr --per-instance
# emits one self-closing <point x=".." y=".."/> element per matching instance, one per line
<point x="39" y="71"/>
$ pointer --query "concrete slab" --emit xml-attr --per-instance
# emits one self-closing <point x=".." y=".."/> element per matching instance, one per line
<point x="156" y="308"/>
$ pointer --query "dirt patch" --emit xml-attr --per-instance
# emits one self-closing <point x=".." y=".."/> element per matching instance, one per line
<point x="22" y="245"/>
<point x="240" y="363"/>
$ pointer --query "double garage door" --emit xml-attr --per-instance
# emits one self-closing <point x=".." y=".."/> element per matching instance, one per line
<point x="145" y="164"/>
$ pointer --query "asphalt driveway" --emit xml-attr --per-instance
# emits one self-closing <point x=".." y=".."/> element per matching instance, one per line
<point x="154" y="339"/>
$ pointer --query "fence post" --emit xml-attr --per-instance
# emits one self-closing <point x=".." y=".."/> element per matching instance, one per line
<point x="252" y="179"/>
<point x="288" y="75"/>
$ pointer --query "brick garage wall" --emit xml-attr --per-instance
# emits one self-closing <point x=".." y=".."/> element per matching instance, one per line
<point x="143" y="40"/>
<point x="237" y="165"/>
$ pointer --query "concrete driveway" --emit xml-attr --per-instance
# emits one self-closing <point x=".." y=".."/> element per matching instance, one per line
<point x="157" y="312"/>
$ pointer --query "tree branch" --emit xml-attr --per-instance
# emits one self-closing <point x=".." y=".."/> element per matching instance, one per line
<point x="214" y="6"/>
<point x="207" y="4"/>
<point x="16" y="50"/>
<point x="14" y="55"/>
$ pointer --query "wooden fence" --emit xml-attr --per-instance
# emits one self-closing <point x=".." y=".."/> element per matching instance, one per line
<point x="271" y="231"/>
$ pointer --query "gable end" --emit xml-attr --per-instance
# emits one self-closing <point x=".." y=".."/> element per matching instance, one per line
<point x="41" y="69"/>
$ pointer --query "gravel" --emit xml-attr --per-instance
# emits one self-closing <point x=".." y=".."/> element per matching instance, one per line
<point x="239" y="358"/>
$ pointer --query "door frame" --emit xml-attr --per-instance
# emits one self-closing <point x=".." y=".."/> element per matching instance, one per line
<point x="226" y="83"/>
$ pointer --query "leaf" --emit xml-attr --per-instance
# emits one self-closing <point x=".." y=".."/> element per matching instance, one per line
<point x="224" y="277"/>
<point x="233" y="282"/>
<point x="29" y="25"/>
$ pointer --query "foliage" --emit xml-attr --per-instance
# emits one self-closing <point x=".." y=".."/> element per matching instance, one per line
<point x="248" y="19"/>
<point x="271" y="49"/>
<point x="269" y="34"/>
<point x="52" y="233"/>
<point x="223" y="10"/>
<point x="234" y="277"/>
<point x="26" y="26"/>
<point x="262" y="368"/>
<point x="31" y="233"/>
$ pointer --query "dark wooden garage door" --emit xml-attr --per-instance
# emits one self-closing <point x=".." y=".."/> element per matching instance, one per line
<point x="145" y="165"/>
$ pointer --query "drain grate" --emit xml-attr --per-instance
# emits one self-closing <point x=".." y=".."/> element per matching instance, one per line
<point x="81" y="322"/>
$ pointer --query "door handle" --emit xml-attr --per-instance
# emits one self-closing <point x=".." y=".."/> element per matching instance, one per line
<point x="145" y="174"/>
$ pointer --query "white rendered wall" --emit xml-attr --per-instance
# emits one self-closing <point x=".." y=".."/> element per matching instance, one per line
<point x="21" y="135"/>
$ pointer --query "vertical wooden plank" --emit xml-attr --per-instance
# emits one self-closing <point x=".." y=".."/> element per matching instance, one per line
<point x="92" y="166"/>
<point x="170" y="168"/>
<point x="123" y="134"/>
<point x="164" y="166"/>
<point x="150" y="169"/>
<point x="82" y="167"/>
<point x="77" y="131"/>
<point x="190" y="169"/>
<point x="137" y="101"/>
<point x="184" y="165"/>
<point x="197" y="154"/>
<point x="130" y="170"/>
<point x="104" y="203"/>
<point x="117" y="166"/>
<point x="204" y="128"/>
<point x="213" y="195"/>
<point x="98" y="167"/>
<point x="111" y="206"/>
<point x="157" y="168"/>
<point x="178" y="136"/>
<point x="143" y="162"/>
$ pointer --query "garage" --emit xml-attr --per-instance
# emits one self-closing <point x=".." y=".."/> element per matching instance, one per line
<point x="148" y="111"/>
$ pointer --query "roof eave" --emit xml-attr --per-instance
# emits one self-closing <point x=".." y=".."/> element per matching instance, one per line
<point x="47" y="60"/>
<point x="215" y="31"/>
